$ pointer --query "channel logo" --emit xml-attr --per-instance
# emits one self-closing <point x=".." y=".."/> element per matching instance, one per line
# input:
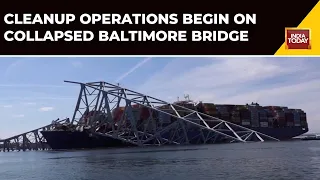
<point x="298" y="38"/>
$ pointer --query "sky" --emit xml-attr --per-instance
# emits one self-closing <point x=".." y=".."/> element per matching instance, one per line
<point x="32" y="91"/>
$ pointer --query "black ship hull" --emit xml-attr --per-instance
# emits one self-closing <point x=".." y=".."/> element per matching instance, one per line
<point x="284" y="133"/>
<point x="63" y="140"/>
<point x="59" y="140"/>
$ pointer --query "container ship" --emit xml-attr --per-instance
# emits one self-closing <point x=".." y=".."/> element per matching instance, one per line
<point x="276" y="121"/>
<point x="279" y="122"/>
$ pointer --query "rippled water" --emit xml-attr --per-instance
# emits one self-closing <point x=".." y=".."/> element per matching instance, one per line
<point x="264" y="161"/>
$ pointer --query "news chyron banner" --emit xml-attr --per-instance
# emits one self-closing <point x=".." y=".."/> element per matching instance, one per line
<point x="226" y="27"/>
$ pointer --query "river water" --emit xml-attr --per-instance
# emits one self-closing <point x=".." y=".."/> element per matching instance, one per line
<point x="296" y="160"/>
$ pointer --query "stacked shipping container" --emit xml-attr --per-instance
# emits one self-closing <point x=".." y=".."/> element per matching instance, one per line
<point x="224" y="112"/>
<point x="210" y="109"/>
<point x="303" y="118"/>
<point x="254" y="111"/>
<point x="296" y="117"/>
<point x="235" y="116"/>
<point x="289" y="117"/>
<point x="263" y="118"/>
<point x="245" y="116"/>
<point x="248" y="116"/>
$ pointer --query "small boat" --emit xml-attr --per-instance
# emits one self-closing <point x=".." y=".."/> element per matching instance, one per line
<point x="311" y="137"/>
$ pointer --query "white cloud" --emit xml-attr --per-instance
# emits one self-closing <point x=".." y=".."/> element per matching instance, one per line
<point x="134" y="68"/>
<point x="76" y="64"/>
<point x="293" y="82"/>
<point x="7" y="106"/>
<point x="13" y="67"/>
<point x="29" y="103"/>
<point x="18" y="116"/>
<point x="46" y="109"/>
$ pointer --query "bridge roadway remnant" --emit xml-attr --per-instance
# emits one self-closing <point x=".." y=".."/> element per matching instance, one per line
<point x="31" y="140"/>
<point x="187" y="125"/>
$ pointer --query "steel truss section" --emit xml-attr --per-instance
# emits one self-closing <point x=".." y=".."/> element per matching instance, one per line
<point x="98" y="102"/>
<point x="31" y="140"/>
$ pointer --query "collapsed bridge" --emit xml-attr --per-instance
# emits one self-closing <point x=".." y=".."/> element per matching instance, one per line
<point x="187" y="126"/>
<point x="163" y="123"/>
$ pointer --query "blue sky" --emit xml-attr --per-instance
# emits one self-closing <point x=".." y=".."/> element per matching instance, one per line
<point x="32" y="91"/>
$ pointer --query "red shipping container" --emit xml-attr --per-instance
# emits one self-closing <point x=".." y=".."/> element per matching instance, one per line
<point x="281" y="121"/>
<point x="117" y="113"/>
<point x="289" y="117"/>
<point x="135" y="106"/>
<point x="144" y="114"/>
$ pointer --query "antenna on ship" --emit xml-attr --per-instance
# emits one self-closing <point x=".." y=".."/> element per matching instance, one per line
<point x="187" y="97"/>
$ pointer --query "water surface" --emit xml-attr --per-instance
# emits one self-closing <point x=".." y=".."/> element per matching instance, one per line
<point x="296" y="160"/>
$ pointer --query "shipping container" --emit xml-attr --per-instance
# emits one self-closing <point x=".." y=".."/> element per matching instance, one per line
<point x="237" y="107"/>
<point x="281" y="121"/>
<point x="296" y="117"/>
<point x="211" y="113"/>
<point x="290" y="124"/>
<point x="280" y="114"/>
<point x="117" y="113"/>
<point x="189" y="105"/>
<point x="270" y="113"/>
<point x="270" y="121"/>
<point x="235" y="116"/>
<point x="236" y="120"/>
<point x="273" y="108"/>
<point x="225" y="113"/>
<point x="235" y="113"/>
<point x="230" y="107"/>
<point x="144" y="113"/>
<point x="136" y="114"/>
<point x="135" y="106"/>
<point x="289" y="117"/>
<point x="164" y="118"/>
<point x="209" y="106"/>
<point x="264" y="124"/>
<point x="263" y="117"/>
<point x="225" y="117"/>
<point x="222" y="108"/>
<point x="304" y="124"/>
<point x="246" y="123"/>
<point x="254" y="117"/>
<point x="297" y="124"/>
<point x="303" y="114"/>
<point x="217" y="115"/>
<point x="245" y="114"/>
<point x="303" y="117"/>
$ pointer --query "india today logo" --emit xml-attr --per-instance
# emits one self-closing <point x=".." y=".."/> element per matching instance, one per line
<point x="297" y="38"/>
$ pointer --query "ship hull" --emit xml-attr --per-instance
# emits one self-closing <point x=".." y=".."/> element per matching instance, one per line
<point x="62" y="140"/>
<point x="281" y="133"/>
<point x="59" y="140"/>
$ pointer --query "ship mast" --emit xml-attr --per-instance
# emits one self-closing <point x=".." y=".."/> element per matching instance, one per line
<point x="187" y="97"/>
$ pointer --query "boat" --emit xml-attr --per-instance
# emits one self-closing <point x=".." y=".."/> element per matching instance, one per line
<point x="276" y="121"/>
<point x="311" y="137"/>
